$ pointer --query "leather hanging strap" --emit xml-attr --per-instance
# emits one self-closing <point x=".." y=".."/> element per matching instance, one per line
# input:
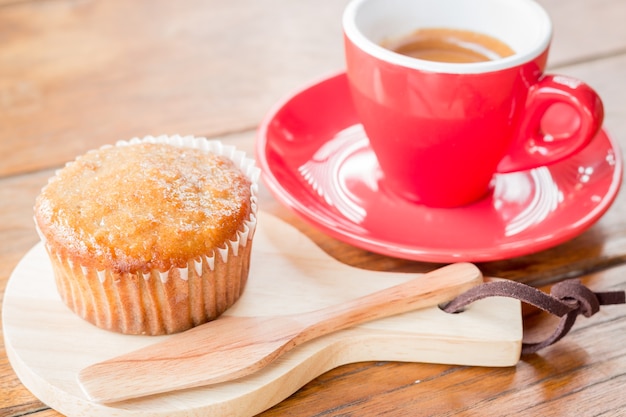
<point x="567" y="300"/>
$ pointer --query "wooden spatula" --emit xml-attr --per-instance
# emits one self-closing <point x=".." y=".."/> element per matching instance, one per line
<point x="233" y="347"/>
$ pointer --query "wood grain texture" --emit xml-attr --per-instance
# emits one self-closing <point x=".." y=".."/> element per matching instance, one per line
<point x="579" y="376"/>
<point x="235" y="347"/>
<point x="93" y="72"/>
<point x="48" y="345"/>
<point x="75" y="74"/>
<point x="85" y="73"/>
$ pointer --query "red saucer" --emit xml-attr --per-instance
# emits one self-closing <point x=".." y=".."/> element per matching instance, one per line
<point x="316" y="159"/>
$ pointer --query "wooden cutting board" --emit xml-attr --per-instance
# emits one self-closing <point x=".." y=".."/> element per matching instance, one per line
<point x="47" y="344"/>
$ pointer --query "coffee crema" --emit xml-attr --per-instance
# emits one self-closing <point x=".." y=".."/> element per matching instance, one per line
<point x="449" y="45"/>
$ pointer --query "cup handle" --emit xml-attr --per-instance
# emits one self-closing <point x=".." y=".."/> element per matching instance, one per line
<point x="536" y="145"/>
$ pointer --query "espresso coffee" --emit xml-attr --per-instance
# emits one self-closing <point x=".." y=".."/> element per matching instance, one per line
<point x="450" y="45"/>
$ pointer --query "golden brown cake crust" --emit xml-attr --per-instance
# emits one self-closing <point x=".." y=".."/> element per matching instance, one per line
<point x="141" y="207"/>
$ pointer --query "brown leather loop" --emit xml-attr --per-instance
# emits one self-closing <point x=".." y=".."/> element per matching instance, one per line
<point x="580" y="297"/>
<point x="566" y="300"/>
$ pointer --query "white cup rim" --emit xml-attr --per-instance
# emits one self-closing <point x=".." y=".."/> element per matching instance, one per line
<point x="542" y="33"/>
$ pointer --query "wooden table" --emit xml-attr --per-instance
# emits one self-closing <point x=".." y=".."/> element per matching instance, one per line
<point x="76" y="74"/>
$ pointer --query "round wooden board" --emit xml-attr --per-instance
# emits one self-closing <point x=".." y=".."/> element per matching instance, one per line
<point x="48" y="345"/>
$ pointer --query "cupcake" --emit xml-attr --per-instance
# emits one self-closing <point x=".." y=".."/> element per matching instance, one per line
<point x="151" y="236"/>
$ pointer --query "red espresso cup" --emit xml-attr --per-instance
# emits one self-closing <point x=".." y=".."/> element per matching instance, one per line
<point x="441" y="130"/>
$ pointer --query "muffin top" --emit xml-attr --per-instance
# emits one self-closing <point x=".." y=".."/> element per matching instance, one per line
<point x="143" y="206"/>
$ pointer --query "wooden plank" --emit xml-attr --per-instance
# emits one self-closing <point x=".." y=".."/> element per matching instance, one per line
<point x="76" y="75"/>
<point x="585" y="30"/>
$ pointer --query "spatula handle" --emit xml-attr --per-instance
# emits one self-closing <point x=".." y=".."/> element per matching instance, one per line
<point x="426" y="290"/>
